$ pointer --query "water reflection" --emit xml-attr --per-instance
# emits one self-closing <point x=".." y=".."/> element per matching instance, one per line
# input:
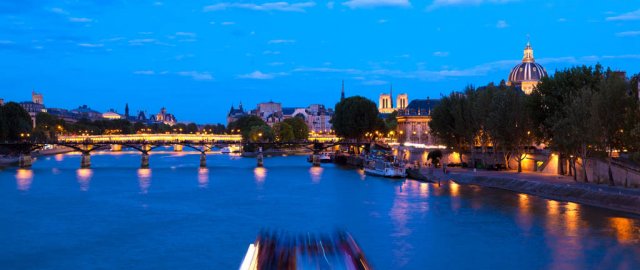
<point x="624" y="229"/>
<point x="84" y="178"/>
<point x="24" y="178"/>
<point x="144" y="180"/>
<point x="525" y="218"/>
<point x="362" y="174"/>
<point x="260" y="173"/>
<point x="400" y="216"/>
<point x="203" y="177"/>
<point x="316" y="174"/>
<point x="59" y="157"/>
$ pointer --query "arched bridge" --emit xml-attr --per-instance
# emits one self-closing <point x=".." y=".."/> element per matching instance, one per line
<point x="144" y="143"/>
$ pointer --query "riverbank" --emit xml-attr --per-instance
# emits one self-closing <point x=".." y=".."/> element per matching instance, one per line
<point x="6" y="161"/>
<point x="550" y="186"/>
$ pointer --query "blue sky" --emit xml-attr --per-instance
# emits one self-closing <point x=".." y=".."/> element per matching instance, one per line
<point x="198" y="58"/>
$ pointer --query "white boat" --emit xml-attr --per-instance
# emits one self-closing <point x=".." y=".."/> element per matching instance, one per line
<point x="230" y="149"/>
<point x="384" y="167"/>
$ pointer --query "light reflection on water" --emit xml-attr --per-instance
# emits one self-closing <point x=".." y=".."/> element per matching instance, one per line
<point x="84" y="178"/>
<point x="203" y="177"/>
<point x="316" y="173"/>
<point x="144" y="180"/>
<point x="24" y="178"/>
<point x="260" y="173"/>
<point x="399" y="223"/>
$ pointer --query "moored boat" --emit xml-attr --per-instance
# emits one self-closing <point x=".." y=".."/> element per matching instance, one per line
<point x="381" y="162"/>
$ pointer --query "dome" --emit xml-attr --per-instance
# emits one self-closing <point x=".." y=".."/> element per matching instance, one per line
<point x="527" y="74"/>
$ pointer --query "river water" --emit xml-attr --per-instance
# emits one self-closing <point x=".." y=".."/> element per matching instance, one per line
<point x="175" y="215"/>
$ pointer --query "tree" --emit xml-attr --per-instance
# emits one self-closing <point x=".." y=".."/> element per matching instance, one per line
<point x="14" y="120"/>
<point x="610" y="104"/>
<point x="299" y="128"/>
<point x="245" y="124"/>
<point x="47" y="126"/>
<point x="216" y="129"/>
<point x="560" y="111"/>
<point x="354" y="117"/>
<point x="283" y="132"/>
<point x="191" y="128"/>
<point x="262" y="133"/>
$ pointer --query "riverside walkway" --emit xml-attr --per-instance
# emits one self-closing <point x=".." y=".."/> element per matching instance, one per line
<point x="552" y="186"/>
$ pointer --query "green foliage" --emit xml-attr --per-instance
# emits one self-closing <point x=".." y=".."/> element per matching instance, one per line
<point x="14" y="120"/>
<point x="283" y="132"/>
<point x="299" y="128"/>
<point x="216" y="129"/>
<point x="261" y="133"/>
<point x="191" y="128"/>
<point x="354" y="117"/>
<point x="47" y="127"/>
<point x="245" y="125"/>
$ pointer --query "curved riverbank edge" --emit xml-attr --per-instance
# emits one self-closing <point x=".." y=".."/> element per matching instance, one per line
<point x="581" y="194"/>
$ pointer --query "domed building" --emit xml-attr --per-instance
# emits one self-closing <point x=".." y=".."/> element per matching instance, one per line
<point x="527" y="74"/>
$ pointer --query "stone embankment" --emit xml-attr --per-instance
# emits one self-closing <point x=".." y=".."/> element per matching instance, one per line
<point x="555" y="187"/>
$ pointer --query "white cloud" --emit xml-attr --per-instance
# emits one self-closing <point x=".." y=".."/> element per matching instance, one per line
<point x="630" y="16"/>
<point x="330" y="4"/>
<point x="281" y="41"/>
<point x="382" y="21"/>
<point x="258" y="75"/>
<point x="502" y="24"/>
<point x="562" y="20"/>
<point x="59" y="11"/>
<point x="271" y="52"/>
<point x="228" y="23"/>
<point x="272" y="6"/>
<point x="6" y="42"/>
<point x="276" y="64"/>
<point x="441" y="54"/>
<point x="80" y="20"/>
<point x="186" y="34"/>
<point x="628" y="34"/>
<point x="141" y="41"/>
<point x="375" y="82"/>
<point x="144" y="72"/>
<point x="198" y="76"/>
<point x="90" y="45"/>
<point x="443" y="3"/>
<point x="376" y="3"/>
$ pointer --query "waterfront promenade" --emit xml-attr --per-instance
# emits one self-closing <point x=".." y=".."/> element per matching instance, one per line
<point x="551" y="186"/>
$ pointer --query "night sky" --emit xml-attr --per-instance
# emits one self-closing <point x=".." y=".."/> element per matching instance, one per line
<point x="197" y="58"/>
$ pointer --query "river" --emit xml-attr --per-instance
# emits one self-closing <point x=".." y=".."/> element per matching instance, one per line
<point x="175" y="215"/>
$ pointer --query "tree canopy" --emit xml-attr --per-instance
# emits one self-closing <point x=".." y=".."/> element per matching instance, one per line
<point x="354" y="117"/>
<point x="14" y="120"/>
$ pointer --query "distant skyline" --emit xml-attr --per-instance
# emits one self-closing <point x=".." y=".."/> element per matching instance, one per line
<point x="197" y="58"/>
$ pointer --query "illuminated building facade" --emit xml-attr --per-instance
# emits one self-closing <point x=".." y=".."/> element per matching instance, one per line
<point x="164" y="117"/>
<point x="413" y="122"/>
<point x="385" y="102"/>
<point x="527" y="74"/>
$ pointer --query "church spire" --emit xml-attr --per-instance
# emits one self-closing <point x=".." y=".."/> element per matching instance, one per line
<point x="391" y="94"/>
<point x="342" y="94"/>
<point x="528" y="53"/>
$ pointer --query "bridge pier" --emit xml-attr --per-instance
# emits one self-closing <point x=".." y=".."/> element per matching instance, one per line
<point x="24" y="161"/>
<point x="85" y="161"/>
<point x="144" y="164"/>
<point x="260" y="158"/>
<point x="177" y="147"/>
<point x="315" y="160"/>
<point x="116" y="148"/>
<point x="203" y="160"/>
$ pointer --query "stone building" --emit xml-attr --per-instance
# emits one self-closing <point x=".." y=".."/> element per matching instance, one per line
<point x="413" y="122"/>
<point x="163" y="117"/>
